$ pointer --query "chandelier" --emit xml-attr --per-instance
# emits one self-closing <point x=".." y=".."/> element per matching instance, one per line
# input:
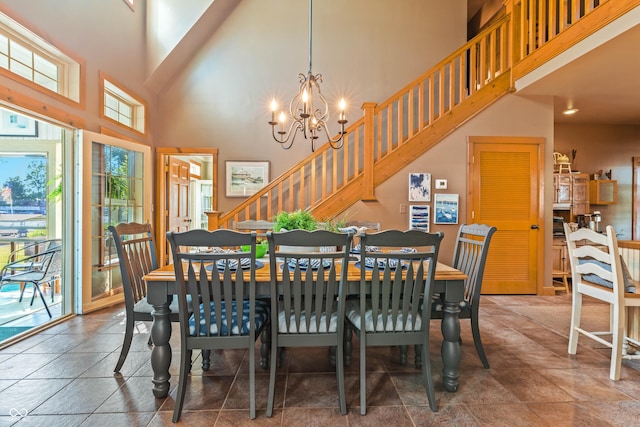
<point x="308" y="110"/>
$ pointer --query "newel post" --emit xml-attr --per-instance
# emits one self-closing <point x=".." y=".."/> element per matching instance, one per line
<point x="368" y="184"/>
<point x="213" y="220"/>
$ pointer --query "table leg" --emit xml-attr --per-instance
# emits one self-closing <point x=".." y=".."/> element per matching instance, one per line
<point x="451" y="346"/>
<point x="161" y="352"/>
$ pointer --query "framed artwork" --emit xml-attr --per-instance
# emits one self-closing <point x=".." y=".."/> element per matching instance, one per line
<point x="244" y="179"/>
<point x="446" y="209"/>
<point x="419" y="187"/>
<point x="419" y="217"/>
<point x="14" y="124"/>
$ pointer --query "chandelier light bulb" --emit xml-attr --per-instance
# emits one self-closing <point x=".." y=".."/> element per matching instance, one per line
<point x="309" y="110"/>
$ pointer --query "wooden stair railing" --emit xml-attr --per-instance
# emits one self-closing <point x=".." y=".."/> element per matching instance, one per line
<point x="421" y="114"/>
<point x="340" y="176"/>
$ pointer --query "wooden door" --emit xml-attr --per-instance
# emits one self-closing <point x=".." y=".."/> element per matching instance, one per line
<point x="504" y="191"/>
<point x="178" y="197"/>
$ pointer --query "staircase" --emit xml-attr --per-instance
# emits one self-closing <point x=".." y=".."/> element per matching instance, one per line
<point x="409" y="123"/>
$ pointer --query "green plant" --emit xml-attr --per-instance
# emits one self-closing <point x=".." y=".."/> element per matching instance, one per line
<point x="335" y="224"/>
<point x="298" y="219"/>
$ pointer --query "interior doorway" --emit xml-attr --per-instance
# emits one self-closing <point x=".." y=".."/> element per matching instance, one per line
<point x="186" y="191"/>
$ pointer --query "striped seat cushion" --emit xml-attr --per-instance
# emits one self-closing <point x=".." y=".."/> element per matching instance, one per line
<point x="354" y="315"/>
<point x="242" y="328"/>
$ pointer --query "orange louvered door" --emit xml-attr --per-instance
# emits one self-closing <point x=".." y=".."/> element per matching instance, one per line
<point x="505" y="192"/>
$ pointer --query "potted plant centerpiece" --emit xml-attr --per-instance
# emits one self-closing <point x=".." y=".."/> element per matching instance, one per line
<point x="296" y="220"/>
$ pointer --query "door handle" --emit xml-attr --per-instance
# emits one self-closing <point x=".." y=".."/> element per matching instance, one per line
<point x="535" y="227"/>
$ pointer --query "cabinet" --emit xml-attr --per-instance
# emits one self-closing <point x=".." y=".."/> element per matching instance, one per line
<point x="560" y="256"/>
<point x="571" y="194"/>
<point x="603" y="192"/>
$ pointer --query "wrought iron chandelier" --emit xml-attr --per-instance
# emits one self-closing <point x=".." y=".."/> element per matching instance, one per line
<point x="308" y="110"/>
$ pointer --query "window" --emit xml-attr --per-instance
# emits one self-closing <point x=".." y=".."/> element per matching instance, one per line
<point x="29" y="59"/>
<point x="122" y="107"/>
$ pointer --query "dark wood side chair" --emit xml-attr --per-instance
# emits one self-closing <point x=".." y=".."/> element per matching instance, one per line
<point x="136" y="250"/>
<point x="217" y="299"/>
<point x="308" y="293"/>
<point x="470" y="256"/>
<point x="390" y="313"/>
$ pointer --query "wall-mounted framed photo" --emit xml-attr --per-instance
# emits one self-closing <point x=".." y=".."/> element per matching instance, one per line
<point x="245" y="178"/>
<point x="14" y="124"/>
<point x="419" y="187"/>
<point x="419" y="216"/>
<point x="445" y="209"/>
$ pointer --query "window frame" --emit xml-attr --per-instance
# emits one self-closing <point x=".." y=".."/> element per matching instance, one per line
<point x="139" y="107"/>
<point x="70" y="68"/>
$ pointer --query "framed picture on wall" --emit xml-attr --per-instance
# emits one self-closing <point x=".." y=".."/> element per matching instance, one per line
<point x="419" y="217"/>
<point x="244" y="179"/>
<point x="419" y="187"/>
<point x="445" y="209"/>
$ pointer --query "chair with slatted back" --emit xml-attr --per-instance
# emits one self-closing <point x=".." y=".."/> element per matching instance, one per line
<point x="136" y="250"/>
<point x="598" y="271"/>
<point x="216" y="292"/>
<point x="470" y="256"/>
<point x="390" y="313"/>
<point x="308" y="291"/>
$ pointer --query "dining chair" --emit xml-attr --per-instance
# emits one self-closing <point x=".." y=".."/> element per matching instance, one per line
<point x="260" y="226"/>
<point x="216" y="292"/>
<point x="390" y="313"/>
<point x="137" y="256"/>
<point x="43" y="268"/>
<point x="136" y="250"/>
<point x="308" y="292"/>
<point x="598" y="271"/>
<point x="470" y="256"/>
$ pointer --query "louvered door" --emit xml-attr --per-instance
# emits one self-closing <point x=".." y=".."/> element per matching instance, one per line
<point x="504" y="192"/>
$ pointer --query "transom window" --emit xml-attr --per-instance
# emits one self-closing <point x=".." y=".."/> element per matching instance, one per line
<point x="122" y="107"/>
<point x="25" y="55"/>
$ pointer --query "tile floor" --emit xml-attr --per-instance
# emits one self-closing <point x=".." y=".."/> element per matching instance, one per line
<point x="63" y="377"/>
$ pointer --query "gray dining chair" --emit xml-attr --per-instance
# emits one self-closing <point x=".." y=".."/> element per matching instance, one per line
<point x="308" y="292"/>
<point x="216" y="292"/>
<point x="136" y="250"/>
<point x="390" y="311"/>
<point x="470" y="256"/>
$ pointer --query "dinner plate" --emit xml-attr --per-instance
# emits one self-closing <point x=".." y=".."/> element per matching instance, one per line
<point x="304" y="264"/>
<point x="233" y="265"/>
<point x="356" y="249"/>
<point x="369" y="263"/>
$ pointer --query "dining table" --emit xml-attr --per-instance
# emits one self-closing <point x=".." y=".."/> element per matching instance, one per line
<point x="161" y="287"/>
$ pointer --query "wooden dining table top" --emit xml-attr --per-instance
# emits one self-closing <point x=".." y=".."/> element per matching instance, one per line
<point x="166" y="273"/>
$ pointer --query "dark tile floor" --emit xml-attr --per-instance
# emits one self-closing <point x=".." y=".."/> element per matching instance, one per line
<point x="63" y="377"/>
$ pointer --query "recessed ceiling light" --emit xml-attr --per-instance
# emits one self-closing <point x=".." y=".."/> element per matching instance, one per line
<point x="570" y="111"/>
